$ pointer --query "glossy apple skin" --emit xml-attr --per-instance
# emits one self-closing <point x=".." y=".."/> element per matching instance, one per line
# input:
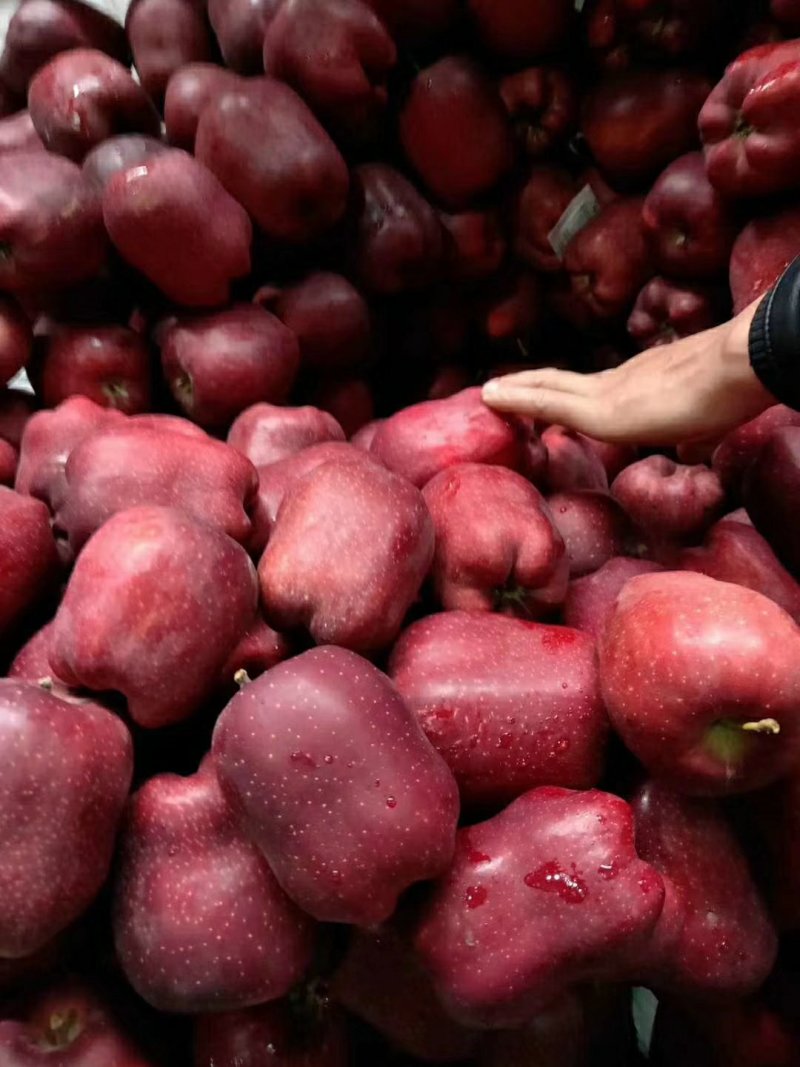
<point x="686" y="660"/>
<point x="749" y="137"/>
<point x="770" y="489"/>
<point x="543" y="105"/>
<point x="690" y="227"/>
<point x="277" y="1034"/>
<point x="119" y="153"/>
<point x="130" y="465"/>
<point x="110" y="634"/>
<point x="363" y="754"/>
<point x="337" y="54"/>
<point x="50" y="221"/>
<point x="17" y="131"/>
<point x="67" y="1024"/>
<point x="727" y="944"/>
<point x="381" y="533"/>
<point x="735" y="552"/>
<point x="258" y="649"/>
<point x="239" y="26"/>
<point x="165" y="35"/>
<point x="590" y="600"/>
<point x="572" y="462"/>
<point x="266" y="433"/>
<point x="738" y="449"/>
<point x="200" y="924"/>
<point x="78" y="759"/>
<point x="189" y="90"/>
<point x="761" y="253"/>
<point x="381" y="981"/>
<point x="426" y="438"/>
<point x="28" y="560"/>
<point x="398" y="243"/>
<point x="16" y="338"/>
<point x="548" y="893"/>
<point x="665" y="311"/>
<point x="109" y="364"/>
<point x="217" y="365"/>
<point x="82" y="97"/>
<point x="489" y="693"/>
<point x="669" y="501"/>
<point x="38" y="31"/>
<point x="455" y="96"/>
<point x="609" y="261"/>
<point x="518" y="30"/>
<point x="172" y="220"/>
<point x="638" y="122"/>
<point x="496" y="545"/>
<point x="594" y="527"/>
<point x="8" y="463"/>
<point x="271" y="154"/>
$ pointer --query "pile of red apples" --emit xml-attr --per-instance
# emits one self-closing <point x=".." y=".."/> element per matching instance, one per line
<point x="343" y="721"/>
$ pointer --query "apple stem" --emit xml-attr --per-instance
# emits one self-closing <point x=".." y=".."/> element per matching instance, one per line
<point x="242" y="678"/>
<point x="763" y="726"/>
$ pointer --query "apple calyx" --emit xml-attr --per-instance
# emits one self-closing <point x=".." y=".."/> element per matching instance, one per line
<point x="117" y="394"/>
<point x="62" y="1029"/>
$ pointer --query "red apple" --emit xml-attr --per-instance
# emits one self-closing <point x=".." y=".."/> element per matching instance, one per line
<point x="16" y="338"/>
<point x="520" y="30"/>
<point x="594" y="527"/>
<point x="761" y="253"/>
<point x="119" y="153"/>
<point x="509" y="704"/>
<point x="477" y="244"/>
<point x="172" y="220"/>
<point x="572" y="462"/>
<point x="660" y="29"/>
<point x="556" y="1037"/>
<point x="189" y="90"/>
<point x="666" y="311"/>
<point x="258" y="649"/>
<point x="700" y="682"/>
<point x="543" y="200"/>
<point x="349" y="400"/>
<point x="17" y="132"/>
<point x="16" y="408"/>
<point x="590" y="600"/>
<point x="217" y="365"/>
<point x="266" y="433"/>
<point x="165" y="35"/>
<point x="510" y="307"/>
<point x="146" y="592"/>
<point x="691" y="229"/>
<point x="392" y="803"/>
<point x="239" y="26"/>
<point x="8" y="463"/>
<point x="455" y="131"/>
<point x="739" y="448"/>
<point x="787" y="12"/>
<point x="77" y="760"/>
<point x="378" y="528"/>
<point x="28" y="561"/>
<point x="543" y="105"/>
<point x="770" y="490"/>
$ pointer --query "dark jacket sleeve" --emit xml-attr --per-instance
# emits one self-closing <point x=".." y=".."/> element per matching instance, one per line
<point x="775" y="338"/>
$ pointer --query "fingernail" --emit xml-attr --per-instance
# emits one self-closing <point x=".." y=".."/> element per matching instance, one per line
<point x="492" y="390"/>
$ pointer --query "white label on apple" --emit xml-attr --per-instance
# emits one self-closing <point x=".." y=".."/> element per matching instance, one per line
<point x="21" y="381"/>
<point x="579" y="213"/>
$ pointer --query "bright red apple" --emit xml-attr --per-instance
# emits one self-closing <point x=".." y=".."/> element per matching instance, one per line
<point x="28" y="560"/>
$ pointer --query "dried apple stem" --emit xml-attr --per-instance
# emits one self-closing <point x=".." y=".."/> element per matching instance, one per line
<point x="763" y="726"/>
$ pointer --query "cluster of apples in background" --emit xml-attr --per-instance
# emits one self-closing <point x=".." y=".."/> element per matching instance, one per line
<point x="345" y="721"/>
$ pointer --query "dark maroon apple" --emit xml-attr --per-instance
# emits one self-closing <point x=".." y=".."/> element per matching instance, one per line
<point x="787" y="12"/>
<point x="700" y="682"/>
<point x="217" y="365"/>
<point x="172" y="220"/>
<point x="665" y="311"/>
<point x="381" y="981"/>
<point x="455" y="131"/>
<point x="761" y="253"/>
<point x="543" y="105"/>
<point x="67" y="1025"/>
<point x="559" y="1036"/>
<point x="348" y="399"/>
<point x="77" y="760"/>
<point x="496" y="545"/>
<point x="28" y="561"/>
<point x="269" y="151"/>
<point x="239" y="26"/>
<point x="51" y="224"/>
<point x="265" y="433"/>
<point x="546" y="894"/>
<point x="660" y="29"/>
<point x="165" y="35"/>
<point x="509" y="704"/>
<point x="8" y="463"/>
<point x="477" y="244"/>
<point x="17" y="131"/>
<point x="426" y="438"/>
<point x="131" y="465"/>
<point x="154" y="606"/>
<point x="119" y="153"/>
<point x="259" y="648"/>
<point x="594" y="527"/>
<point x="771" y="485"/>
<point x="738" y="449"/>
<point x="398" y="241"/>
<point x="572" y="462"/>
<point x="691" y="229"/>
<point x="16" y="338"/>
<point x="510" y="307"/>
<point x="337" y="54"/>
<point x="608" y="261"/>
<point x="82" y="97"/>
<point x="541" y="203"/>
<point x="638" y="122"/>
<point x="108" y="364"/>
<point x="200" y="924"/>
<point x="669" y="501"/>
<point x="328" y="316"/>
<point x="590" y="600"/>
<point x="414" y="21"/>
<point x="735" y="552"/>
<point x="285" y="1033"/>
<point x="16" y="408"/>
<point x="392" y="801"/>
<point x="727" y="944"/>
<point x="378" y="528"/>
<point x="39" y="29"/>
<point x="520" y="30"/>
<point x="189" y="90"/>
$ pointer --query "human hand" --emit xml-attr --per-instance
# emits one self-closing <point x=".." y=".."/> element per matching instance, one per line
<point x="690" y="392"/>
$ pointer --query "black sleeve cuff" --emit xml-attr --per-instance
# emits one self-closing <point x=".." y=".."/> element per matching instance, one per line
<point x="775" y="339"/>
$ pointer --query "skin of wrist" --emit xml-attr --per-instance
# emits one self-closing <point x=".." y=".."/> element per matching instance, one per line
<point x="735" y="359"/>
